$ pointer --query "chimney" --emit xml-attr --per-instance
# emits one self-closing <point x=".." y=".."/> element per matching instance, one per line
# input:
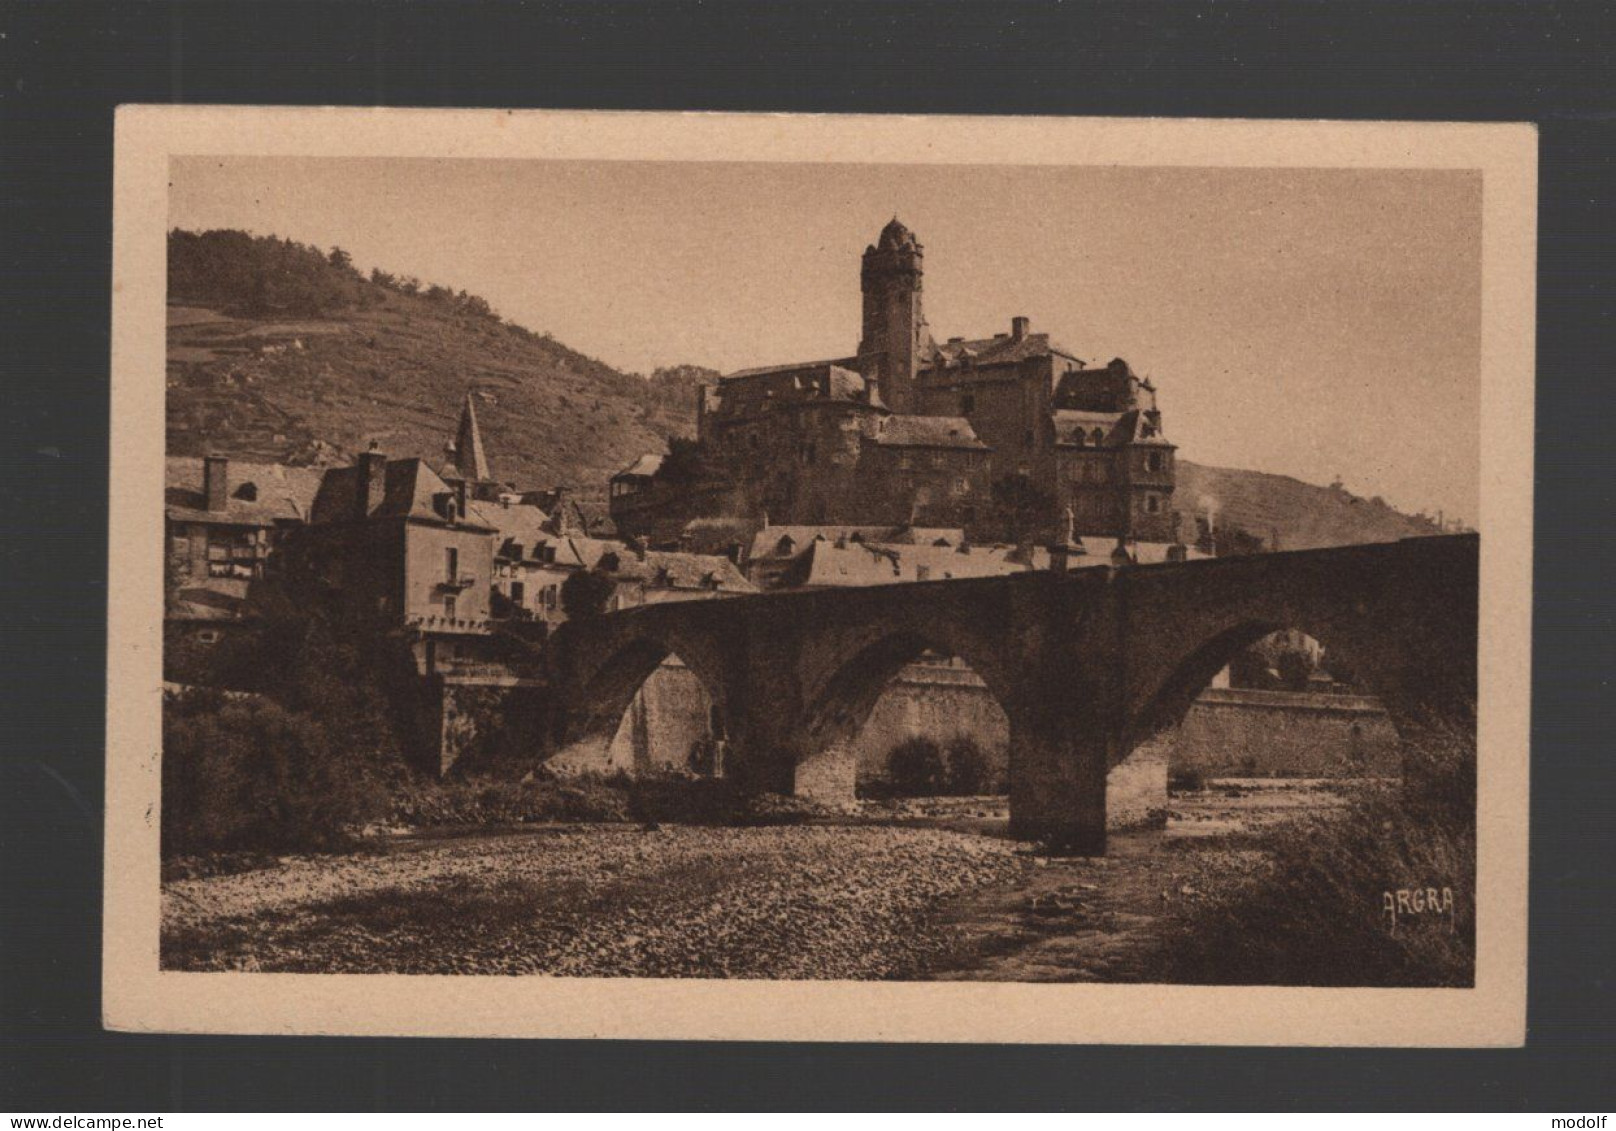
<point x="371" y="486"/>
<point x="1018" y="328"/>
<point x="216" y="482"/>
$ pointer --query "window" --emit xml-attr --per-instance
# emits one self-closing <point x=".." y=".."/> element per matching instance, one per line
<point x="209" y="636"/>
<point x="906" y="462"/>
<point x="962" y="485"/>
<point x="1153" y="504"/>
<point x="518" y="594"/>
<point x="1097" y="437"/>
<point x="449" y="606"/>
<point x="939" y="459"/>
<point x="967" y="404"/>
<point x="1153" y="461"/>
<point x="809" y="453"/>
<point x="451" y="563"/>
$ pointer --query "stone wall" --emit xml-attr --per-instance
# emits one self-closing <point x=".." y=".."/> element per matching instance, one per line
<point x="937" y="702"/>
<point x="1234" y="732"/>
<point x="669" y="715"/>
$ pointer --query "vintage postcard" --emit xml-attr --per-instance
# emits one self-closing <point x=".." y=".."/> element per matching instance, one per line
<point x="820" y="578"/>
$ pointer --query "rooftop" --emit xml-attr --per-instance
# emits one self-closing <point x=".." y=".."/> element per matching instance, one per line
<point x="928" y="432"/>
<point x="260" y="494"/>
<point x="1001" y="350"/>
<point x="412" y="490"/>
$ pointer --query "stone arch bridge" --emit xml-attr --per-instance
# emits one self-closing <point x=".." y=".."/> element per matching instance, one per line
<point x="1086" y="665"/>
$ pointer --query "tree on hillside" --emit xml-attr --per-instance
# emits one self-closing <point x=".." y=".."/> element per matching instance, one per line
<point x="683" y="463"/>
<point x="1025" y="509"/>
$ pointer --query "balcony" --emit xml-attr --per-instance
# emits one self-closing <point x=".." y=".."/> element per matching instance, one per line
<point x="456" y="584"/>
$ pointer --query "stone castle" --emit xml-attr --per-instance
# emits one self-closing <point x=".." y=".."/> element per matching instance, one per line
<point x="1011" y="438"/>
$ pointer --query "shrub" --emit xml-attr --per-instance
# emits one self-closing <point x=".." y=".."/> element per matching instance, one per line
<point x="671" y="798"/>
<point x="1186" y="779"/>
<point x="916" y="768"/>
<point x="969" y="774"/>
<point x="1315" y="914"/>
<point x="584" y="595"/>
<point x="247" y="774"/>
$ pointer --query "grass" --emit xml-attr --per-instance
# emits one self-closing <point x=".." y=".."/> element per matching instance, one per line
<point x="1316" y="914"/>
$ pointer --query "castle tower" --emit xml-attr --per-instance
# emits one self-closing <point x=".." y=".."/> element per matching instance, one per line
<point x="895" y="334"/>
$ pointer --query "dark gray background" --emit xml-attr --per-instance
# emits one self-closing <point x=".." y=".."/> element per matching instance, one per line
<point x="65" y="66"/>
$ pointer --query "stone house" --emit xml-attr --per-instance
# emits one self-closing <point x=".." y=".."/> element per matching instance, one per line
<point x="224" y="522"/>
<point x="414" y="548"/>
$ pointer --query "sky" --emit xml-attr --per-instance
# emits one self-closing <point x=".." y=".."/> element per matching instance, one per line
<point x="1314" y="323"/>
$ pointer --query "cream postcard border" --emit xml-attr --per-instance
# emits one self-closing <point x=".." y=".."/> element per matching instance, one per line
<point x="138" y="996"/>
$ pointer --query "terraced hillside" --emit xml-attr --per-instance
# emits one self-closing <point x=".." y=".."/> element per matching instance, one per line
<point x="376" y="362"/>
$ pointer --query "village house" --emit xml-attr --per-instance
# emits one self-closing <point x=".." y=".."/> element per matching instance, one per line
<point x="223" y="522"/>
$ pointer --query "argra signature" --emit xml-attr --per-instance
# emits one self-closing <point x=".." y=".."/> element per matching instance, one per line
<point x="1417" y="902"/>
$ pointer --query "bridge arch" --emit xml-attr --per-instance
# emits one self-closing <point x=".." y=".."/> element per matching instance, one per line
<point x="602" y="695"/>
<point x="853" y="679"/>
<point x="1165" y="701"/>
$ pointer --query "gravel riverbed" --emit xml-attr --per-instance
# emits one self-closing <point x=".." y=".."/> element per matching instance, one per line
<point x="599" y="900"/>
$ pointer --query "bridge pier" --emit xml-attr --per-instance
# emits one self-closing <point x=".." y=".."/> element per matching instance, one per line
<point x="828" y="776"/>
<point x="1058" y="784"/>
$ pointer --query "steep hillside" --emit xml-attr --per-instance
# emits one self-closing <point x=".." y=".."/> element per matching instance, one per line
<point x="281" y="352"/>
<point x="1300" y="515"/>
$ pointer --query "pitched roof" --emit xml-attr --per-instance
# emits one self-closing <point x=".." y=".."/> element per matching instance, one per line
<point x="645" y="467"/>
<point x="855" y="564"/>
<point x="470" y="460"/>
<point x="790" y="367"/>
<point x="928" y="432"/>
<point x="766" y="542"/>
<point x="518" y="525"/>
<point x="280" y="493"/>
<point x="1004" y="349"/>
<point x="411" y="489"/>
<point x="678" y="570"/>
<point x="874" y="563"/>
<point x="1074" y="428"/>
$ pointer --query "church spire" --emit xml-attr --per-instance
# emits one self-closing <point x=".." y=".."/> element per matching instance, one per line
<point x="469" y="458"/>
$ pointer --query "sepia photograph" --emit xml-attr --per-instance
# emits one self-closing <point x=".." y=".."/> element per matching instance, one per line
<point x="686" y="555"/>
